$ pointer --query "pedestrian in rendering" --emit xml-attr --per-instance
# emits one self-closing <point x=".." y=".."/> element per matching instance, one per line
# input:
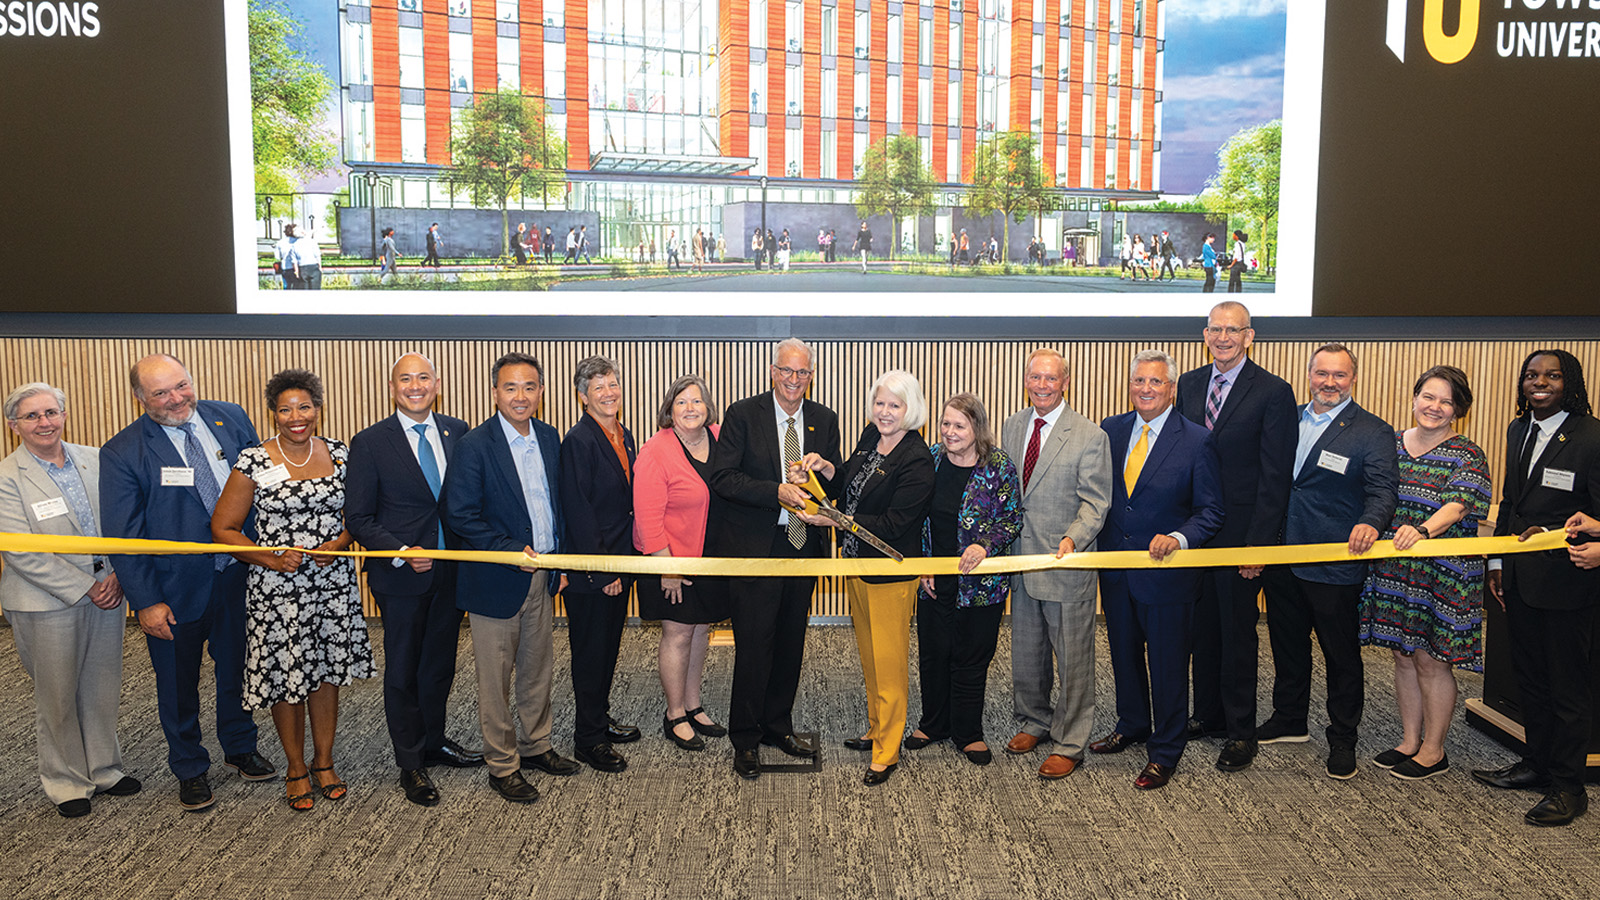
<point x="388" y="255"/>
<point x="864" y="244"/>
<point x="434" y="243"/>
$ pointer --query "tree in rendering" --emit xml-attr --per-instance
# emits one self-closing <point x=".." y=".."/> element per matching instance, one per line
<point x="894" y="181"/>
<point x="288" y="94"/>
<point x="501" y="149"/>
<point x="1009" y="177"/>
<point x="1246" y="184"/>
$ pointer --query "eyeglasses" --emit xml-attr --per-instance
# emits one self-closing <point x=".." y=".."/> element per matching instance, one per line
<point x="49" y="415"/>
<point x="787" y="372"/>
<point x="1229" y="330"/>
<point x="1140" y="381"/>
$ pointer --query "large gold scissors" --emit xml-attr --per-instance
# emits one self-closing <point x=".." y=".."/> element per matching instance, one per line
<point x="818" y="505"/>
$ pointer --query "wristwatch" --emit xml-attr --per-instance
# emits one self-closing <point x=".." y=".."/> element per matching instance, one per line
<point x="1423" y="530"/>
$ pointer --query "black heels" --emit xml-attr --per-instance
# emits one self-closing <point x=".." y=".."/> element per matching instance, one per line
<point x="879" y="776"/>
<point x="696" y="742"/>
<point x="712" y="730"/>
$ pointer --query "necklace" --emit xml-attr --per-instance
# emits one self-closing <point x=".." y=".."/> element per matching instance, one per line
<point x="310" y="452"/>
<point x="688" y="443"/>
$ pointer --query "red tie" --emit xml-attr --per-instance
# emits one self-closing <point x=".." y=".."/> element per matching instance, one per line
<point x="1032" y="456"/>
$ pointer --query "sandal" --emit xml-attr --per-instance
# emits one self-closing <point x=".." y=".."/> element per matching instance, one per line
<point x="300" y="802"/>
<point x="334" y="790"/>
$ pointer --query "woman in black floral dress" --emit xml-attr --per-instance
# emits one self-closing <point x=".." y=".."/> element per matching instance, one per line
<point x="304" y="633"/>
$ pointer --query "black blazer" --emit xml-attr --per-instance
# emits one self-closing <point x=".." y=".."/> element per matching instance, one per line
<point x="747" y="467"/>
<point x="596" y="501"/>
<point x="388" y="505"/>
<point x="1325" y="504"/>
<point x="1549" y="580"/>
<point x="1255" y="438"/>
<point x="895" y="500"/>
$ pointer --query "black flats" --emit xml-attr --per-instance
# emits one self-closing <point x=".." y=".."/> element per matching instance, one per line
<point x="693" y="742"/>
<point x="857" y="743"/>
<point x="879" y="776"/>
<point x="712" y="730"/>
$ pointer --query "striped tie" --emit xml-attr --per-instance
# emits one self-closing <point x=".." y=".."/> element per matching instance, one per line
<point x="791" y="455"/>
<point x="1214" y="402"/>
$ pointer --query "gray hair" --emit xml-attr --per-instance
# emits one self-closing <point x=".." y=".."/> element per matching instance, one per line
<point x="1160" y="356"/>
<point x="904" y="387"/>
<point x="591" y="368"/>
<point x="793" y="343"/>
<point x="15" y="398"/>
<point x="133" y="371"/>
<point x="679" y="385"/>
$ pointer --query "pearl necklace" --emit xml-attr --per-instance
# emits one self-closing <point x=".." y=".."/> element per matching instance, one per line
<point x="311" y="451"/>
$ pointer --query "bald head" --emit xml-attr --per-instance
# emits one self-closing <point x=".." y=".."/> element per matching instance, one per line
<point x="162" y="385"/>
<point x="414" y="386"/>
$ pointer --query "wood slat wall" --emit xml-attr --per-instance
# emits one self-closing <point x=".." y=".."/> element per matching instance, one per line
<point x="93" y="373"/>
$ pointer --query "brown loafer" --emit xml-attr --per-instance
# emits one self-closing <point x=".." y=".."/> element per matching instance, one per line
<point x="1155" y="775"/>
<point x="1022" y="743"/>
<point x="1057" y="766"/>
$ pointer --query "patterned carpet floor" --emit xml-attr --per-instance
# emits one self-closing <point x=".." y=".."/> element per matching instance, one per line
<point x="680" y="824"/>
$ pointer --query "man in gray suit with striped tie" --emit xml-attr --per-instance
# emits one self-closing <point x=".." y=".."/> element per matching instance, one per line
<point x="1065" y="461"/>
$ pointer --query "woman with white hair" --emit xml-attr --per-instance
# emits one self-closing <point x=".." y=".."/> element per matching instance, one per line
<point x="886" y="486"/>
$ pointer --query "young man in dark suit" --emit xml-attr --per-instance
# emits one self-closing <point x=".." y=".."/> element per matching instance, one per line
<point x="1552" y="472"/>
<point x="160" y="479"/>
<point x="761" y="437"/>
<point x="1345" y="477"/>
<point x="391" y="502"/>
<point x="501" y="494"/>
<point x="1166" y="495"/>
<point x="1250" y="414"/>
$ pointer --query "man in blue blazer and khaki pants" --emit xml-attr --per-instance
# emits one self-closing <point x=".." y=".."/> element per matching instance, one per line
<point x="159" y="480"/>
<point x="1166" y="495"/>
<point x="1345" y="475"/>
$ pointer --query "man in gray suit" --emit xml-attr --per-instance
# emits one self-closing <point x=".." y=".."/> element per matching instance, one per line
<point x="1065" y="462"/>
<point x="65" y="610"/>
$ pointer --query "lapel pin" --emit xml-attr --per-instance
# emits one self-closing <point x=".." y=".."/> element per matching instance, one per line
<point x="1562" y="438"/>
<point x="219" y="424"/>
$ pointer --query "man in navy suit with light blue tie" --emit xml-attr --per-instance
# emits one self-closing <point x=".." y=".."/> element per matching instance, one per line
<point x="1346" y="472"/>
<point x="159" y="480"/>
<point x="1166" y="495"/>
<point x="501" y="494"/>
<point x="391" y="490"/>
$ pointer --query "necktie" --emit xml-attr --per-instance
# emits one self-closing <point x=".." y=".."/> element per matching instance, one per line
<point x="791" y="455"/>
<point x="1214" y="402"/>
<point x="205" y="480"/>
<point x="1032" y="456"/>
<point x="430" y="466"/>
<point x="1130" y="472"/>
<point x="1525" y="461"/>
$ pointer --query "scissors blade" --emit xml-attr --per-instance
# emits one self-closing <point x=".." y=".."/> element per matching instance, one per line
<point x="845" y="522"/>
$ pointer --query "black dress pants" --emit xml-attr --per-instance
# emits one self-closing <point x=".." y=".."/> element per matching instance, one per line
<point x="1296" y="608"/>
<point x="769" y="634"/>
<point x="1550" y="649"/>
<point x="594" y="631"/>
<point x="954" y="649"/>
<point x="1225" y="651"/>
<point x="420" y="635"/>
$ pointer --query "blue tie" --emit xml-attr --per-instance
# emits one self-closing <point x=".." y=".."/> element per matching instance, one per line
<point x="205" y="480"/>
<point x="430" y="467"/>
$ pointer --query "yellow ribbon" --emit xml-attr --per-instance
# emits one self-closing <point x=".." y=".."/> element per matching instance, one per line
<point x="1299" y="554"/>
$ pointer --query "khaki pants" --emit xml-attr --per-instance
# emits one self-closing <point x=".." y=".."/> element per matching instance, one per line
<point x="499" y="645"/>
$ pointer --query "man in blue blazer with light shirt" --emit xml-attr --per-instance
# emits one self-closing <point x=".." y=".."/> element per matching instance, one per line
<point x="501" y="494"/>
<point x="1166" y="495"/>
<point x="1345" y="475"/>
<point x="159" y="480"/>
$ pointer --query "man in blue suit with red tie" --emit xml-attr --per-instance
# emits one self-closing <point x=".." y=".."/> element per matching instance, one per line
<point x="160" y="479"/>
<point x="391" y="502"/>
<point x="1166" y="495"/>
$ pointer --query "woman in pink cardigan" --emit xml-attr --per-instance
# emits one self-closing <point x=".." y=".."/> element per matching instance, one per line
<point x="671" y="503"/>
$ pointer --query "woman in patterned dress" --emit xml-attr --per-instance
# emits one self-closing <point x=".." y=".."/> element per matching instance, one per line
<point x="304" y="633"/>
<point x="1429" y="610"/>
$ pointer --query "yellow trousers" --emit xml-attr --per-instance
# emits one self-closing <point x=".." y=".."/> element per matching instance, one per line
<point x="882" y="617"/>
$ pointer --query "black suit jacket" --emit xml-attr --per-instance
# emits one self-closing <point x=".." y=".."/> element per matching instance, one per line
<point x="1324" y="504"/>
<point x="1254" y="437"/>
<point x="388" y="505"/>
<point x="1549" y="580"/>
<point x="747" y="467"/>
<point x="895" y="500"/>
<point x="596" y="501"/>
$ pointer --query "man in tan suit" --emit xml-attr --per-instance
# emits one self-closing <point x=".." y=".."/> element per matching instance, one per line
<point x="1065" y="463"/>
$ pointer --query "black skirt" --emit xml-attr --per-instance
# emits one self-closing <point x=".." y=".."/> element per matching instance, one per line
<point x="704" y="602"/>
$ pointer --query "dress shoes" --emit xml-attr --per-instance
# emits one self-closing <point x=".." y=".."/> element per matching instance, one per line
<point x="514" y="788"/>
<point x="1519" y="776"/>
<point x="419" y="787"/>
<point x="195" y="793"/>
<point x="862" y="744"/>
<point x="1023" y="742"/>
<point x="913" y="742"/>
<point x="1196" y="729"/>
<point x="712" y="730"/>
<point x="1409" y="769"/>
<point x="126" y="786"/>
<point x="979" y="757"/>
<point x="454" y="755"/>
<point x="879" y="776"/>
<point x="791" y="745"/>
<point x="74" y="809"/>
<point x="552" y="763"/>
<point x="1277" y="731"/>
<point x="602" y="758"/>
<point x="618" y="733"/>
<point x="1057" y="766"/>
<point x="1115" y="742"/>
<point x="1558" y="808"/>
<point x="747" y="764"/>
<point x="1236" y="756"/>
<point x="251" y="766"/>
<point x="669" y="727"/>
<point x="1342" y="763"/>
<point x="1155" y="775"/>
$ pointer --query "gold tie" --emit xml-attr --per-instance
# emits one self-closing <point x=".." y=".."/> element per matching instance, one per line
<point x="1130" y="472"/>
<point x="791" y="455"/>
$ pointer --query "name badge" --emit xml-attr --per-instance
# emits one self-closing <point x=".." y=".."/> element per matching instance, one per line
<point x="177" y="476"/>
<point x="278" y="474"/>
<point x="1333" y="462"/>
<point x="1560" y="479"/>
<point x="49" y="509"/>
